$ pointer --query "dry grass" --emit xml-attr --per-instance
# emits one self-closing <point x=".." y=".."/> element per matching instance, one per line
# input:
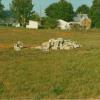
<point x="32" y="74"/>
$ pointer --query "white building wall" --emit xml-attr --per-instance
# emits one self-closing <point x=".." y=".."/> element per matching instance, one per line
<point x="32" y="25"/>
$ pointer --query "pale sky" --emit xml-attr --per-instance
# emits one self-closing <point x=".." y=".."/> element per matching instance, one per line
<point x="40" y="5"/>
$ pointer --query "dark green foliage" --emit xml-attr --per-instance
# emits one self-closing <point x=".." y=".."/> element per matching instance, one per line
<point x="84" y="9"/>
<point x="95" y="13"/>
<point x="22" y="10"/>
<point x="1" y="9"/>
<point x="61" y="10"/>
<point x="48" y="22"/>
<point x="35" y="17"/>
<point x="7" y="14"/>
<point x="58" y="90"/>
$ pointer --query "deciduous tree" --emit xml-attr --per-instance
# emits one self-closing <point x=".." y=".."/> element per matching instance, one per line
<point x="1" y="9"/>
<point x="84" y="9"/>
<point x="60" y="10"/>
<point x="95" y="13"/>
<point x="22" y="10"/>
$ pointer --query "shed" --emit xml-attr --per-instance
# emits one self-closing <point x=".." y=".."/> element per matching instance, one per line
<point x="32" y="25"/>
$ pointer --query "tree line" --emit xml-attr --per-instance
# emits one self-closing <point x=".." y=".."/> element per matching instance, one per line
<point x="22" y="11"/>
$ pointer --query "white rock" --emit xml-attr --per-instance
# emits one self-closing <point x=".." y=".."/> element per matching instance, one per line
<point x="45" y="46"/>
<point x="60" y="40"/>
<point x="65" y="47"/>
<point x="61" y="46"/>
<point x="52" y="41"/>
<point x="56" y="43"/>
<point x="54" y="48"/>
<point x="16" y="47"/>
<point x="20" y="44"/>
<point x="76" y="46"/>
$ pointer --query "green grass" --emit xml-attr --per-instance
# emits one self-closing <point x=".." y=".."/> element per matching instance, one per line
<point x="33" y="74"/>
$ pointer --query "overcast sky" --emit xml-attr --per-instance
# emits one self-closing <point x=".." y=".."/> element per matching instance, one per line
<point x="40" y="5"/>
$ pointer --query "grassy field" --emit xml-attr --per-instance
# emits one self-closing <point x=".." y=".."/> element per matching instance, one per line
<point x="33" y="74"/>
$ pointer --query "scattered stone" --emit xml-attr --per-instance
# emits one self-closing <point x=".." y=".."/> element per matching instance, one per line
<point x="56" y="45"/>
<point x="45" y="46"/>
<point x="18" y="46"/>
<point x="60" y="40"/>
<point x="52" y="41"/>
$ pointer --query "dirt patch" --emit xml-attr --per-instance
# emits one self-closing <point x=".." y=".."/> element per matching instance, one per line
<point x="64" y="33"/>
<point x="5" y="45"/>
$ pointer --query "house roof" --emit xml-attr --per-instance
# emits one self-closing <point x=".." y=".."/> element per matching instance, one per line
<point x="78" y="17"/>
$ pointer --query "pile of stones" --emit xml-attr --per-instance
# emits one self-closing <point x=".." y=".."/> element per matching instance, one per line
<point x="58" y="44"/>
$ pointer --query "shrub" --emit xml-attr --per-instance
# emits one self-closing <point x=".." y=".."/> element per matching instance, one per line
<point x="49" y="22"/>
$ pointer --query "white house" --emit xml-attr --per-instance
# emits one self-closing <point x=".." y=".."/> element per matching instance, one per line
<point x="83" y="20"/>
<point x="32" y="25"/>
<point x="63" y="25"/>
<point x="78" y="17"/>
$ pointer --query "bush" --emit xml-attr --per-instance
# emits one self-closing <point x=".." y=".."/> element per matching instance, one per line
<point x="49" y="22"/>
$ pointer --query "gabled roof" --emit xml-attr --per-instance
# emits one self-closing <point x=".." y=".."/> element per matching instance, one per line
<point x="78" y="17"/>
